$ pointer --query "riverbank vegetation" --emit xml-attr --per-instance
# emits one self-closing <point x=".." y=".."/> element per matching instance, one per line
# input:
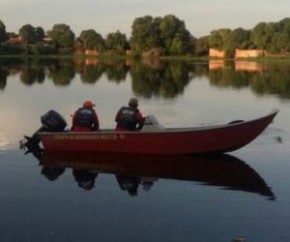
<point x="160" y="36"/>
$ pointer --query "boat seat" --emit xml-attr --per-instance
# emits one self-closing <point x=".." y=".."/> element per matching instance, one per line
<point x="151" y="123"/>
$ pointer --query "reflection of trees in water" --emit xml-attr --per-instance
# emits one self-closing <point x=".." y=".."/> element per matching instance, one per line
<point x="117" y="72"/>
<point x="62" y="72"/>
<point x="150" y="77"/>
<point x="30" y="75"/>
<point x="91" y="74"/>
<point x="3" y="78"/>
<point x="275" y="79"/>
<point x="167" y="81"/>
<point x="228" y="77"/>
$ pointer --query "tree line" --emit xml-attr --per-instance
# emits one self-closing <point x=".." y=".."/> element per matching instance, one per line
<point x="159" y="36"/>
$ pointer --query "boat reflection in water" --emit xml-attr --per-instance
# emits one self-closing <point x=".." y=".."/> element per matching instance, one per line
<point x="134" y="171"/>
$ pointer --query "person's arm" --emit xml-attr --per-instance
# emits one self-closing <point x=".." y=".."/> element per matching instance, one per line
<point x="140" y="120"/>
<point x="73" y="120"/>
<point x="96" y="122"/>
<point x="117" y="116"/>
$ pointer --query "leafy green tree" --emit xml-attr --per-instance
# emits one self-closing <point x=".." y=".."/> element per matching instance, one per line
<point x="90" y="39"/>
<point x="220" y="39"/>
<point x="3" y="34"/>
<point x="201" y="46"/>
<point x="62" y="36"/>
<point x="259" y="35"/>
<point x="27" y="33"/>
<point x="176" y="39"/>
<point x="145" y="34"/>
<point x="168" y="34"/>
<point x="239" y="38"/>
<point x="117" y="41"/>
<point x="31" y="34"/>
<point x="280" y="44"/>
<point x="39" y="33"/>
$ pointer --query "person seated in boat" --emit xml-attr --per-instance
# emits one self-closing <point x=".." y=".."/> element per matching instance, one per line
<point x="85" y="118"/>
<point x="129" y="117"/>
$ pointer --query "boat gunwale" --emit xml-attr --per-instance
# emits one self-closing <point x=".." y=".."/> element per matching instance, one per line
<point x="163" y="130"/>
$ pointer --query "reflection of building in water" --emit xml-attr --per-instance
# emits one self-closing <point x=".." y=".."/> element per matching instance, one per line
<point x="91" y="61"/>
<point x="248" y="66"/>
<point x="216" y="64"/>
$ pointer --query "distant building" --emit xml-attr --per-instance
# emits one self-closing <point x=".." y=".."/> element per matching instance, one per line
<point x="91" y="52"/>
<point x="216" y="53"/>
<point x="16" y="41"/>
<point x="238" y="53"/>
<point x="249" y="53"/>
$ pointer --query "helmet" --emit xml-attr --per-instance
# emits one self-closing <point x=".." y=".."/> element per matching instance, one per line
<point x="133" y="102"/>
<point x="88" y="104"/>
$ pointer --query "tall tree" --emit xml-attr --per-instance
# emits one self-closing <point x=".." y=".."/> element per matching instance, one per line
<point x="167" y="33"/>
<point x="62" y="36"/>
<point x="176" y="39"/>
<point x="145" y="34"/>
<point x="39" y="33"/>
<point x="259" y="35"/>
<point x="219" y="39"/>
<point x="90" y="39"/>
<point x="27" y="33"/>
<point x="31" y="34"/>
<point x="3" y="34"/>
<point x="201" y="46"/>
<point x="117" y="41"/>
<point x="239" y="38"/>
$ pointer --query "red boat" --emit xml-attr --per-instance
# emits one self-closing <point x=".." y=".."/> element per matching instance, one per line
<point x="155" y="139"/>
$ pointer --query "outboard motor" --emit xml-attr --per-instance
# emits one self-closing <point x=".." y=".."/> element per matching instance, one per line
<point x="51" y="121"/>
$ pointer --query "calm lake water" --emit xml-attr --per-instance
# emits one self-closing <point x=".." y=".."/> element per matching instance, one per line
<point x="244" y="194"/>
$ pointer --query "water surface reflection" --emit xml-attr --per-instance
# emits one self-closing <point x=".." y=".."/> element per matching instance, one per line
<point x="152" y="77"/>
<point x="134" y="172"/>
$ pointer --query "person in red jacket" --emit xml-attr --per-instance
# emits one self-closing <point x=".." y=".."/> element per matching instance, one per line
<point x="129" y="118"/>
<point x="85" y="118"/>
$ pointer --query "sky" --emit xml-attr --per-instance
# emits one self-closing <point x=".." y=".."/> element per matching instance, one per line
<point x="107" y="16"/>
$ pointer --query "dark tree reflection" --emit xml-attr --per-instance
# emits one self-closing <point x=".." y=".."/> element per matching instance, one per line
<point x="228" y="77"/>
<point x="3" y="78"/>
<point x="152" y="77"/>
<point x="91" y="74"/>
<point x="167" y="80"/>
<point x="271" y="79"/>
<point x="31" y="75"/>
<point x="117" y="72"/>
<point x="62" y="72"/>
